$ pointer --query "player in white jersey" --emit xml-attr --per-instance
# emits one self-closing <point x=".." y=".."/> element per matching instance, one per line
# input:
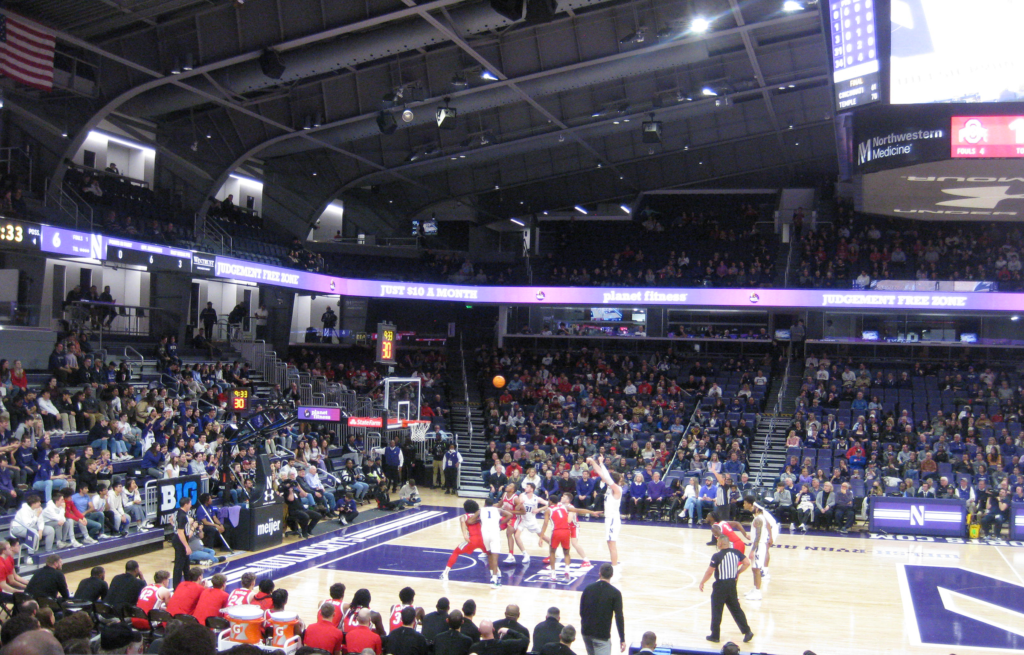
<point x="491" y="519"/>
<point x="527" y="506"/>
<point x="764" y="527"/>
<point x="612" y="502"/>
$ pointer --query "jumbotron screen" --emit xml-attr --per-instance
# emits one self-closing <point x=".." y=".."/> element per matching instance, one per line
<point x="956" y="51"/>
<point x="854" y="52"/>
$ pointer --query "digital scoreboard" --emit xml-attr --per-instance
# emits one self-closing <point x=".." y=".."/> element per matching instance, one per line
<point x="19" y="234"/>
<point x="239" y="398"/>
<point x="987" y="137"/>
<point x="152" y="256"/>
<point x="855" y="69"/>
<point x="387" y="336"/>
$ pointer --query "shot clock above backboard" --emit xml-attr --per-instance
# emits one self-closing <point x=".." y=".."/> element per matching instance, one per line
<point x="387" y="336"/>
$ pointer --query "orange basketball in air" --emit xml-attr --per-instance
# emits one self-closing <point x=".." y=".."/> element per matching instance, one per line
<point x="498" y="381"/>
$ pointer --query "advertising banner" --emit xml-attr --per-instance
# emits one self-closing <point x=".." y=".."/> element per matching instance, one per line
<point x="330" y="414"/>
<point x="169" y="495"/>
<point x="919" y="516"/>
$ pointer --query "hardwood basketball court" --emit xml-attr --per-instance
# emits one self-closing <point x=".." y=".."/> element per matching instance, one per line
<point x="829" y="594"/>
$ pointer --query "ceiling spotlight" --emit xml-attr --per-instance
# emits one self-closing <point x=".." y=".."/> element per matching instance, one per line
<point x="708" y="92"/>
<point x="63" y="134"/>
<point x="518" y="222"/>
<point x="1015" y="317"/>
<point x="699" y="25"/>
<point x="459" y="81"/>
<point x="580" y="209"/>
<point x="792" y="5"/>
<point x="407" y="116"/>
<point x="635" y="37"/>
<point x="624" y="208"/>
<point x="209" y="136"/>
<point x="488" y="75"/>
<point x="664" y="33"/>
<point x="188" y="62"/>
<point x="317" y="121"/>
<point x="446" y="116"/>
<point x="308" y="125"/>
<point x="176" y="69"/>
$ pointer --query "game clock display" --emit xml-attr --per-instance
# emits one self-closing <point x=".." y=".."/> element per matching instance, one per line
<point x="386" y="338"/>
<point x="19" y="234"/>
<point x="239" y="399"/>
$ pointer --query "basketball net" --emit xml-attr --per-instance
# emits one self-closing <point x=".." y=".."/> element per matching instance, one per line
<point x="418" y="430"/>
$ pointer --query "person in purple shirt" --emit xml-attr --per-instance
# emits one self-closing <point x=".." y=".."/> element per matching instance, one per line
<point x="25" y="460"/>
<point x="637" y="497"/>
<point x="50" y="476"/>
<point x="584" y="492"/>
<point x="9" y="494"/>
<point x="656" y="493"/>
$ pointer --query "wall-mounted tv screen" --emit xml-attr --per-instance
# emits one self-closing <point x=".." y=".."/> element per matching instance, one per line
<point x="956" y="51"/>
<point x="605" y="314"/>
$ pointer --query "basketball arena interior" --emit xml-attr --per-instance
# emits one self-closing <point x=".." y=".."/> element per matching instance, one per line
<point x="507" y="327"/>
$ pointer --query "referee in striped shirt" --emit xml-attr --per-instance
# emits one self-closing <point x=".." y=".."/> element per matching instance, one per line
<point x="726" y="565"/>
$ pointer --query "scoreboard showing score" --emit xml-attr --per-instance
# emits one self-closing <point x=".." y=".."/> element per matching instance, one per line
<point x="386" y="338"/>
<point x="855" y="66"/>
<point x="238" y="398"/>
<point x="993" y="137"/>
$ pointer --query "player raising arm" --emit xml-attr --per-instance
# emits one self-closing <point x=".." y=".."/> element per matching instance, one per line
<point x="612" y="503"/>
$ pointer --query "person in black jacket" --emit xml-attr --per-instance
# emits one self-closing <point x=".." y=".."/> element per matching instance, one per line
<point x="452" y="641"/>
<point x="436" y="622"/>
<point x="126" y="587"/>
<point x="599" y="601"/>
<point x="563" y="646"/>
<point x="511" y="621"/>
<point x="468" y="627"/>
<point x="504" y="642"/>
<point x="94" y="587"/>
<point x="405" y="640"/>
<point x="208" y="317"/>
<point x="547" y="631"/>
<point x="49" y="581"/>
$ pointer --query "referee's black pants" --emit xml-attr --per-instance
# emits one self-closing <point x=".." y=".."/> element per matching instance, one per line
<point x="723" y="594"/>
<point x="180" y="560"/>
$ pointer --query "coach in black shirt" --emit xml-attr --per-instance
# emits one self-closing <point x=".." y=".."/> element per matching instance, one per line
<point x="94" y="587"/>
<point x="468" y="627"/>
<point x="501" y="642"/>
<point x="126" y="587"/>
<point x="452" y="641"/>
<point x="436" y="622"/>
<point x="564" y="644"/>
<point x="726" y="565"/>
<point x="547" y="631"/>
<point x="405" y="640"/>
<point x="600" y="600"/>
<point x="49" y="581"/>
<point x="511" y="621"/>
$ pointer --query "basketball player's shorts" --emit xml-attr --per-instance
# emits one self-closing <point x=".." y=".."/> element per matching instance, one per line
<point x="492" y="541"/>
<point x="760" y="555"/>
<point x="561" y="539"/>
<point x="573" y="530"/>
<point x="738" y="544"/>
<point x="612" y="527"/>
<point x="532" y="527"/>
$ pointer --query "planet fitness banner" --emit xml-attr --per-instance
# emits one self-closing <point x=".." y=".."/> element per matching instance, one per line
<point x="236" y="269"/>
<point x="919" y="516"/>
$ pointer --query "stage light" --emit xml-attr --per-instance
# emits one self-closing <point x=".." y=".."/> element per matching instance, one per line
<point x="699" y="25"/>
<point x="446" y="117"/>
<point x="624" y="208"/>
<point x="792" y="5"/>
<point x="407" y="116"/>
<point x="651" y="131"/>
<point x="580" y="209"/>
<point x="709" y="92"/>
<point x="489" y="76"/>
<point x="518" y="222"/>
<point x="188" y="62"/>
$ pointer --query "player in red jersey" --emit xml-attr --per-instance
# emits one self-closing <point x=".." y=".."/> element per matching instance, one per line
<point x="405" y="599"/>
<point x="509" y="501"/>
<point x="732" y="530"/>
<point x="560" y="516"/>
<point x="153" y="597"/>
<point x="472" y="537"/>
<point x="337" y="599"/>
<point x="244" y="593"/>
<point x="574" y="526"/>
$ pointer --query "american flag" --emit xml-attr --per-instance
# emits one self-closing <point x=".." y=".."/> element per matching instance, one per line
<point x="26" y="52"/>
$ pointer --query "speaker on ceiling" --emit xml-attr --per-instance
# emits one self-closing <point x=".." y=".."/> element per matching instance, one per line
<point x="270" y="64"/>
<point x="541" y="11"/>
<point x="510" y="9"/>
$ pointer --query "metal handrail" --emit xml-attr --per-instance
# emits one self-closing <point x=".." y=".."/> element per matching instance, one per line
<point x="465" y="392"/>
<point x="686" y="433"/>
<point x="775" y="416"/>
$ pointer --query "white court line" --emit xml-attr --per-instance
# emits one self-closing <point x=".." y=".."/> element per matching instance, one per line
<point x="1015" y="571"/>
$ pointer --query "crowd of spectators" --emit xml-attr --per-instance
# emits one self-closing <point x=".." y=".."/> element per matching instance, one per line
<point x="12" y="199"/>
<point x="721" y="248"/>
<point x="923" y="430"/>
<point x="857" y="251"/>
<point x="646" y="414"/>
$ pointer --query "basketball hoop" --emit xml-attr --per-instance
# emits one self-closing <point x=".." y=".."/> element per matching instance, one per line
<point x="418" y="430"/>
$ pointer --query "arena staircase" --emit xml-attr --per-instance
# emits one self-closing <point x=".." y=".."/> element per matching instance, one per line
<point x="768" y="453"/>
<point x="467" y="421"/>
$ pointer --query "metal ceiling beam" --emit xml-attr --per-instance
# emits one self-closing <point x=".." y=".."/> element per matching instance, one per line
<point x="483" y="61"/>
<point x="766" y="94"/>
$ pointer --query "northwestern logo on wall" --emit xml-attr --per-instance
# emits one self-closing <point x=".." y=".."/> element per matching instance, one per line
<point x="952" y="606"/>
<point x="895" y="144"/>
